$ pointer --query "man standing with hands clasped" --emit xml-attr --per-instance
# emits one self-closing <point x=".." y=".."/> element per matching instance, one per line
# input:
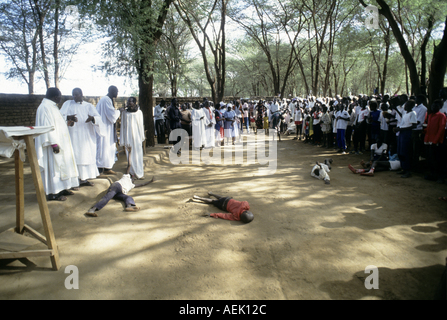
<point x="86" y="123"/>
<point x="106" y="148"/>
<point x="54" y="150"/>
<point x="132" y="136"/>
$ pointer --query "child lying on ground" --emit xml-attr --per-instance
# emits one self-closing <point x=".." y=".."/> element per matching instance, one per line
<point x="238" y="211"/>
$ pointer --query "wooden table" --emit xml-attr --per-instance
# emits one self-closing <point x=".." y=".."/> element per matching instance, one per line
<point x="49" y="239"/>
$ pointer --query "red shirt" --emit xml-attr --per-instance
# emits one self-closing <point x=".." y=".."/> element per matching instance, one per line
<point x="236" y="208"/>
<point x="435" y="128"/>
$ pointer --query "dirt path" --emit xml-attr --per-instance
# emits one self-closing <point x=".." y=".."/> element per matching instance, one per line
<point x="308" y="240"/>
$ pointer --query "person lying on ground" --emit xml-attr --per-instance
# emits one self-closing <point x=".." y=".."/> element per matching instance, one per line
<point x="119" y="191"/>
<point x="238" y="211"/>
<point x="377" y="166"/>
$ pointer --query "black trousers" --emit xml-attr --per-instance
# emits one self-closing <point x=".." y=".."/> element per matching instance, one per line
<point x="222" y="203"/>
<point x="160" y="127"/>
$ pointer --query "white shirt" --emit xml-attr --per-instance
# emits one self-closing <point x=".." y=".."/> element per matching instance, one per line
<point x="298" y="115"/>
<point x="342" y="124"/>
<point x="401" y="109"/>
<point x="408" y="119"/>
<point x="158" y="113"/>
<point x="362" y="115"/>
<point x="274" y="107"/>
<point x="126" y="183"/>
<point x="444" y="110"/>
<point x="383" y="122"/>
<point x="421" y="111"/>
<point x="379" y="151"/>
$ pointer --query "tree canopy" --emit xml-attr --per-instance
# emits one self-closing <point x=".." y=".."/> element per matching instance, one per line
<point x="237" y="47"/>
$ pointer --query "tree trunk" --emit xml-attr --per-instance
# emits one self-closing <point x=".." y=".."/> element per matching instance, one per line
<point x="41" y="19"/>
<point x="145" y="84"/>
<point x="56" y="45"/>
<point x="385" y="64"/>
<point x="424" y="55"/>
<point x="406" y="54"/>
<point x="438" y="68"/>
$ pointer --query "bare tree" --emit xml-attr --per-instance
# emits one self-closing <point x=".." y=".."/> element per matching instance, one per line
<point x="202" y="20"/>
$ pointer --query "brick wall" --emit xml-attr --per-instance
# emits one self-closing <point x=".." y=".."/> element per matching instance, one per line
<point x="20" y="109"/>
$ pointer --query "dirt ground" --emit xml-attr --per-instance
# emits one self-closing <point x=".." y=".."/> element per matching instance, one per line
<point x="308" y="240"/>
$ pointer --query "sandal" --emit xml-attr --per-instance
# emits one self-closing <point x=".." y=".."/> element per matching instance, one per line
<point x="132" y="209"/>
<point x="443" y="199"/>
<point x="87" y="184"/>
<point x="66" y="193"/>
<point x="91" y="213"/>
<point x="56" y="197"/>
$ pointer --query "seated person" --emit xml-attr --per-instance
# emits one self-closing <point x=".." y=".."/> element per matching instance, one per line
<point x="379" y="152"/>
<point x="238" y="211"/>
<point x="377" y="166"/>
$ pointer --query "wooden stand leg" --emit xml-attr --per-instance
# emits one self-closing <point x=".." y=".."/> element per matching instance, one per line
<point x="20" y="193"/>
<point x="41" y="199"/>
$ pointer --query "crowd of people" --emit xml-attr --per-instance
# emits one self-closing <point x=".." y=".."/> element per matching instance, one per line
<point x="210" y="125"/>
<point x="404" y="129"/>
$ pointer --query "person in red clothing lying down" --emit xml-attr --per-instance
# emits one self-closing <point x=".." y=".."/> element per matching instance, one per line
<point x="238" y="211"/>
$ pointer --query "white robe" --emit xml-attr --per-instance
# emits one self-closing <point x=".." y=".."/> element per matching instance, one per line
<point x="132" y="135"/>
<point x="59" y="171"/>
<point x="209" y="131"/>
<point x="324" y="172"/>
<point x="83" y="136"/>
<point x="198" y="127"/>
<point x="106" y="145"/>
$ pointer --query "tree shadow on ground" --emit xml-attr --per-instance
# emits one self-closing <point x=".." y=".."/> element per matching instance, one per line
<point x="394" y="284"/>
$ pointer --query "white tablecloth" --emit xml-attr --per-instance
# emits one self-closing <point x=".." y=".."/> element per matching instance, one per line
<point x="7" y="143"/>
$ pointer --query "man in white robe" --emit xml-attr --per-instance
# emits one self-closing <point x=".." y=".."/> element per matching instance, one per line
<point x="83" y="135"/>
<point x="106" y="144"/>
<point x="199" y="121"/>
<point x="209" y="129"/>
<point x="54" y="149"/>
<point x="132" y="137"/>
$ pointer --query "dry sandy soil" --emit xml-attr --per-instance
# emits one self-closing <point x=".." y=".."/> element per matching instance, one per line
<point x="307" y="241"/>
